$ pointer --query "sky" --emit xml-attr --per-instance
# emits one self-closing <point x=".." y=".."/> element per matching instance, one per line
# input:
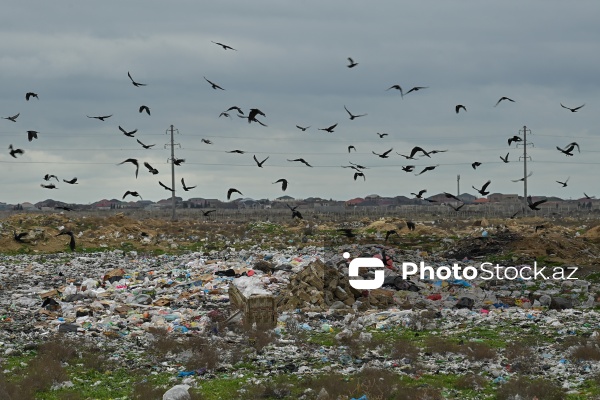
<point x="291" y="62"/>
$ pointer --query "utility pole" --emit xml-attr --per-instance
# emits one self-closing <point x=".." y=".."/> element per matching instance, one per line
<point x="525" y="157"/>
<point x="457" y="185"/>
<point x="173" y="144"/>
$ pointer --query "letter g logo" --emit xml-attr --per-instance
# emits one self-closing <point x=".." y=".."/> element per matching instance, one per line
<point x="366" y="263"/>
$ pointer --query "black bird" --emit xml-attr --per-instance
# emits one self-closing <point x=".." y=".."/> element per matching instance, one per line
<point x="505" y="159"/>
<point x="134" y="162"/>
<point x="29" y="95"/>
<point x="389" y="233"/>
<point x="523" y="179"/>
<point x="430" y="168"/>
<point x="502" y="99"/>
<point x="214" y="85"/>
<point x="231" y="191"/>
<point x="482" y="190"/>
<point x="71" y="182"/>
<point x="588" y="197"/>
<point x="254" y="112"/>
<point x="330" y="129"/>
<point x="224" y="114"/>
<point x="358" y="165"/>
<point x="144" y="108"/>
<point x="236" y="151"/>
<point x="100" y="118"/>
<point x="397" y="87"/>
<point x="295" y="213"/>
<point x="13" y="118"/>
<point x="417" y="88"/>
<point x="186" y="188"/>
<point x="145" y="146"/>
<point x="475" y="164"/>
<point x="456" y="208"/>
<point x="13" y="152"/>
<point x="72" y="241"/>
<point x="153" y="170"/>
<point x="50" y="186"/>
<point x="130" y="134"/>
<point x="224" y="46"/>
<point x="534" y="206"/>
<point x="420" y="194"/>
<point x="514" y="215"/>
<point x="451" y="196"/>
<point x="63" y="208"/>
<point x="514" y="139"/>
<point x="260" y="163"/>
<point x="178" y="161"/>
<point x="572" y="109"/>
<point x="458" y="107"/>
<point x="239" y="110"/>
<point x="410" y="225"/>
<point x="384" y="155"/>
<point x="413" y="152"/>
<point x="206" y="141"/>
<point x="32" y="135"/>
<point x="50" y="304"/>
<point x="430" y="200"/>
<point x="347" y="232"/>
<point x="564" y="184"/>
<point x="350" y="148"/>
<point x="206" y="213"/>
<point x="381" y="135"/>
<point x="352" y="116"/>
<point x="408" y="168"/>
<point x="284" y="183"/>
<point x="166" y="187"/>
<point x="19" y="236"/>
<point x="47" y="177"/>
<point x="301" y="160"/>
<point x="351" y="63"/>
<point x="136" y="84"/>
<point x="539" y="227"/>
<point x="302" y="128"/>
<point x="132" y="193"/>
<point x="437" y="151"/>
<point x="357" y="174"/>
<point x="568" y="150"/>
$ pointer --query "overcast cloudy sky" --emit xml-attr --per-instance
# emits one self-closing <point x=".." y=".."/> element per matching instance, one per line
<point x="291" y="63"/>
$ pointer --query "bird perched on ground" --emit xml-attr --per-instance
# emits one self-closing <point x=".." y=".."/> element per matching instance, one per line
<point x="186" y="188"/>
<point x="132" y="193"/>
<point x="539" y="227"/>
<point x="231" y="191"/>
<point x="134" y="162"/>
<point x="430" y="168"/>
<point x="144" y="108"/>
<point x="350" y="148"/>
<point x="502" y="99"/>
<point x="351" y="63"/>
<point x="534" y="205"/>
<point x="152" y="170"/>
<point x="408" y="168"/>
<point x="302" y="128"/>
<point x="568" y="150"/>
<point x="301" y="160"/>
<point x="347" y="232"/>
<point x="329" y="129"/>
<point x="260" y="163"/>
<point x="397" y="87"/>
<point x="458" y="108"/>
<point x="295" y="212"/>
<point x="166" y="187"/>
<point x="214" y="85"/>
<point x="564" y="184"/>
<point x="71" y="182"/>
<point x="572" y="109"/>
<point x="207" y="213"/>
<point x="482" y="191"/>
<point x="284" y="183"/>
<point x="523" y="179"/>
<point x="32" y="135"/>
<point x="102" y="118"/>
<point x="29" y="95"/>
<point x="389" y="233"/>
<point x="236" y="151"/>
<point x="410" y="225"/>
<point x="357" y="174"/>
<point x="47" y="177"/>
<point x="13" y="152"/>
<point x="384" y="155"/>
<point x="475" y="164"/>
<point x="145" y="146"/>
<point x="72" y="241"/>
<point x="417" y="88"/>
<point x="13" y="118"/>
<point x="206" y="141"/>
<point x="505" y="159"/>
<point x="352" y="116"/>
<point x="420" y="194"/>
<point x="178" y="161"/>
<point x="18" y="236"/>
<point x="224" y="46"/>
<point x="130" y="134"/>
<point x="136" y="84"/>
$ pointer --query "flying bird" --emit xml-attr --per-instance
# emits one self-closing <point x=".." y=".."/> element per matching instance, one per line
<point x="151" y="169"/>
<point x="47" y="177"/>
<point x="130" y="134"/>
<point x="475" y="164"/>
<point x="72" y="241"/>
<point x="397" y="87"/>
<point x="505" y="159"/>
<point x="351" y="63"/>
<point x="568" y="150"/>
<point x="260" y="163"/>
<point x="102" y="118"/>
<point x="49" y="186"/>
<point x="132" y="193"/>
<point x="284" y="183"/>
<point x="357" y="174"/>
<point x="564" y="184"/>
<point x="301" y="160"/>
<point x="458" y="107"/>
<point x="136" y="84"/>
<point x="295" y="213"/>
<point x="417" y="88"/>
<point x="350" y="148"/>
<point x="145" y="146"/>
<point x="134" y="162"/>
<point x="589" y="197"/>
<point x="420" y="194"/>
<point x="451" y="196"/>
<point x="430" y="168"/>
<point x="32" y="135"/>
<point x="572" y="109"/>
<point x="214" y="85"/>
<point x="29" y="95"/>
<point x="482" y="191"/>
<point x="206" y="213"/>
<point x="206" y="141"/>
<point x="166" y="187"/>
<point x="236" y="151"/>
<point x="413" y="152"/>
<point x="408" y="168"/>
<point x="523" y="179"/>
<point x="384" y="155"/>
<point x="514" y="139"/>
<point x="302" y="128"/>
<point x="330" y="129"/>
<point x="178" y="161"/>
<point x="224" y="114"/>
<point x="437" y="151"/>
<point x="71" y="182"/>
<point x="144" y="108"/>
<point x="239" y="110"/>
<point x="502" y="99"/>
<point x="456" y="208"/>
<point x="13" y="152"/>
<point x="381" y="135"/>
<point x="186" y="188"/>
<point x="224" y="46"/>
<point x="13" y="118"/>
<point x="352" y="116"/>
<point x="358" y="165"/>
<point x="231" y="191"/>
<point x="534" y="206"/>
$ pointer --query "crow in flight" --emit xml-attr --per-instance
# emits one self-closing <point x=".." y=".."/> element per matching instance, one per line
<point x="351" y="63"/>
<point x="72" y="241"/>
<point x="414" y="151"/>
<point x="178" y="161"/>
<point x="239" y="110"/>
<point x="152" y="170"/>
<point x="295" y="213"/>
<point x="13" y="118"/>
<point x="236" y="151"/>
<point x="47" y="177"/>
<point x="101" y="118"/>
<point x="430" y="168"/>
<point x="408" y="168"/>
<point x="568" y="150"/>
<point x="302" y="128"/>
<point x="206" y="141"/>
<point x="502" y="99"/>
<point x="350" y="148"/>
<point x="231" y="191"/>
<point x="451" y="196"/>
<point x="145" y="146"/>
<point x="301" y="160"/>
<point x="384" y="155"/>
<point x="260" y="163"/>
<point x="284" y="183"/>
<point x="534" y="206"/>
<point x="514" y="139"/>
<point x="482" y="190"/>
<point x="330" y="129"/>
<point x="224" y="46"/>
<point x="420" y="194"/>
<point x="417" y="88"/>
<point x="13" y="152"/>
<point x="458" y="107"/>
<point x="186" y="188"/>
<point x="588" y="197"/>
<point x="522" y="179"/>
<point x="224" y="114"/>
<point x="397" y="87"/>
<point x="144" y="108"/>
<point x="130" y="134"/>
<point x="381" y="135"/>
<point x="29" y="95"/>
<point x="505" y="159"/>
<point x="50" y="186"/>
<point x="572" y="109"/>
<point x="166" y="187"/>
<point x="136" y="84"/>
<point x="71" y="182"/>
<point x="456" y="208"/>
<point x="32" y="135"/>
<point x="352" y="116"/>
<point x="564" y="184"/>
<point x="475" y="164"/>
<point x="206" y="213"/>
<point x="358" y="165"/>
<point x="357" y="174"/>
<point x="214" y="85"/>
<point x="134" y="162"/>
<point x="135" y="194"/>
